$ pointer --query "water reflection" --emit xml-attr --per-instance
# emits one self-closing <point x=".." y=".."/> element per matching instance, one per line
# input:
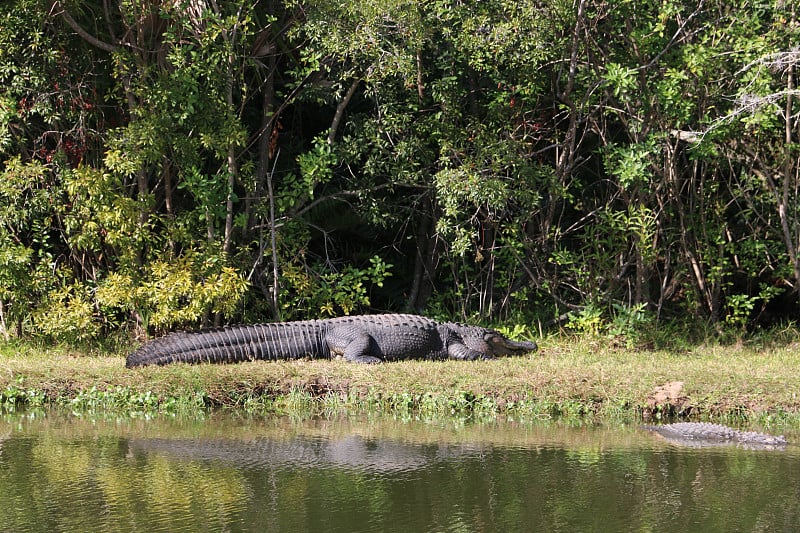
<point x="349" y="452"/>
<point x="224" y="473"/>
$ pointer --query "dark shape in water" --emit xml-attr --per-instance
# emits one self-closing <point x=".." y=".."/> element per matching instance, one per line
<point x="700" y="434"/>
<point x="352" y="452"/>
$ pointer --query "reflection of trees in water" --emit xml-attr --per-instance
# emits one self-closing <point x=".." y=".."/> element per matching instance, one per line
<point x="293" y="477"/>
<point x="726" y="489"/>
<point x="90" y="484"/>
<point x="356" y="480"/>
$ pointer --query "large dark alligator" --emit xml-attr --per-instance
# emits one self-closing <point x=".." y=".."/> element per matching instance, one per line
<point x="699" y="434"/>
<point x="362" y="339"/>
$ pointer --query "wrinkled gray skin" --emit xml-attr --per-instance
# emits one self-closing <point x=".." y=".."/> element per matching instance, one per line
<point x="360" y="339"/>
<point x="700" y="434"/>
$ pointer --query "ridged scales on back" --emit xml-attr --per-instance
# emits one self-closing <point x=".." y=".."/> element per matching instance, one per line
<point x="708" y="434"/>
<point x="362" y="339"/>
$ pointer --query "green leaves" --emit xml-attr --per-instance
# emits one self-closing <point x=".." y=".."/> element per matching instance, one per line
<point x="334" y="292"/>
<point x="174" y="293"/>
<point x="66" y="314"/>
<point x="507" y="157"/>
<point x="621" y="79"/>
<point x="630" y="164"/>
<point x="316" y="167"/>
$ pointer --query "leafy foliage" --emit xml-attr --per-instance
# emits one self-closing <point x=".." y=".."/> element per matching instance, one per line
<point x="185" y="163"/>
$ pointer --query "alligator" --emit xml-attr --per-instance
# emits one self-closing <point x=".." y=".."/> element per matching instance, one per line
<point x="699" y="434"/>
<point x="360" y="339"/>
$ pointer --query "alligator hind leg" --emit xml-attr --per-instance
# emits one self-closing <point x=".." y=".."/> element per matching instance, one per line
<point x="354" y="348"/>
<point x="358" y="350"/>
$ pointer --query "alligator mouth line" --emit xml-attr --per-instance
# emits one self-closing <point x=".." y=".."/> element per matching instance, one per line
<point x="503" y="346"/>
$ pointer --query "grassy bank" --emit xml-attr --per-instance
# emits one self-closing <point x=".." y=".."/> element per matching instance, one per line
<point x="567" y="377"/>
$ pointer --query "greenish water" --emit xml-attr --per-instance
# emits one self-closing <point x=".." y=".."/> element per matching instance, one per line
<point x="226" y="473"/>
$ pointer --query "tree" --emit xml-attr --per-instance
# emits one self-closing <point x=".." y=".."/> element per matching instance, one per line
<point x="448" y="113"/>
<point x="168" y="164"/>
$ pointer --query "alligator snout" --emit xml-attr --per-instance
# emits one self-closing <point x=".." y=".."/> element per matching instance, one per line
<point x="500" y="345"/>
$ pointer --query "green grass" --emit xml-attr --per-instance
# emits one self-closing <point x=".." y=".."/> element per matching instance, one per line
<point x="568" y="377"/>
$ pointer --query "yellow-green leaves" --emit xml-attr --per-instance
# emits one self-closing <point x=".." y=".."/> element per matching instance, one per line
<point x="175" y="293"/>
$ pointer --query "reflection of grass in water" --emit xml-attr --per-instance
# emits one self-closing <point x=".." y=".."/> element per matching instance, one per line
<point x="568" y="378"/>
<point x="237" y="425"/>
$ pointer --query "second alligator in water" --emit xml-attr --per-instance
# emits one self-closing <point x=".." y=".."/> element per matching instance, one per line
<point x="361" y="339"/>
<point x="707" y="434"/>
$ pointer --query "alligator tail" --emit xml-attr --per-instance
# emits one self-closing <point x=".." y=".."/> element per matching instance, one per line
<point x="233" y="344"/>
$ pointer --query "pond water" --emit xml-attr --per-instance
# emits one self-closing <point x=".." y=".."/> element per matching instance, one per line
<point x="224" y="472"/>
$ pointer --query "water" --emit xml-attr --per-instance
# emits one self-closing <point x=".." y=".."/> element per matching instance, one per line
<point x="227" y="473"/>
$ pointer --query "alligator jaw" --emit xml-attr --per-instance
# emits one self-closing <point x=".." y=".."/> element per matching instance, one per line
<point x="501" y="346"/>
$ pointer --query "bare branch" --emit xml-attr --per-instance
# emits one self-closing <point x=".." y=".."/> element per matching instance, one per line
<point x="748" y="103"/>
<point x="58" y="9"/>
<point x="337" y="117"/>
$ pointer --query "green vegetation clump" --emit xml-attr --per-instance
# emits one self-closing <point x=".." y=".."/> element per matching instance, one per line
<point x="484" y="160"/>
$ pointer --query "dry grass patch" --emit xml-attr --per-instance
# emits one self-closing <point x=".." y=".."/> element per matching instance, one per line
<point x="586" y="377"/>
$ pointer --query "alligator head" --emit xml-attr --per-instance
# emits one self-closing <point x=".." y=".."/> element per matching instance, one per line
<point x="495" y="344"/>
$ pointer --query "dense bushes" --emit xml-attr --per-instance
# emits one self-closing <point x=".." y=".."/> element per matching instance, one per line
<point x="600" y="164"/>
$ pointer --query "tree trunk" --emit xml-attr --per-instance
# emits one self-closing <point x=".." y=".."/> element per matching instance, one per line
<point x="427" y="250"/>
<point x="267" y="151"/>
<point x="3" y="329"/>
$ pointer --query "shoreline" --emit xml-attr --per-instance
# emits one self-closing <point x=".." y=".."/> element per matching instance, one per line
<point x="582" y="380"/>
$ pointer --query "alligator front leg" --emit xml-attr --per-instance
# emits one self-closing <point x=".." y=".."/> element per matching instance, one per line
<point x="458" y="350"/>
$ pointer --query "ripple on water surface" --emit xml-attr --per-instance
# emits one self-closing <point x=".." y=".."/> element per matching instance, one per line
<point x="62" y="474"/>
